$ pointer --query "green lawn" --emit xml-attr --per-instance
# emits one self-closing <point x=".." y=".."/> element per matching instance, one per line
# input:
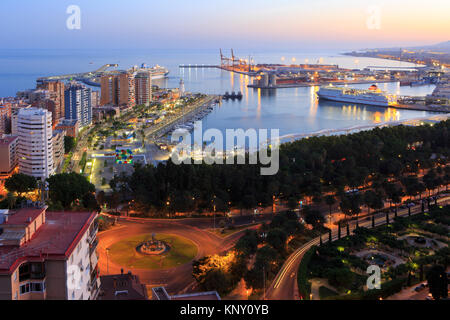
<point x="181" y="251"/>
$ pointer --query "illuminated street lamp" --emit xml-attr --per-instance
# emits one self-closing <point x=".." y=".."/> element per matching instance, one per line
<point x="107" y="261"/>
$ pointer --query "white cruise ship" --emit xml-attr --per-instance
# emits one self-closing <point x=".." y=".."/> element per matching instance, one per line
<point x="372" y="96"/>
<point x="159" y="72"/>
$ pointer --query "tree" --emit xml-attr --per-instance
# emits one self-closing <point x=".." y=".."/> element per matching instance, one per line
<point x="216" y="280"/>
<point x="351" y="204"/>
<point x="90" y="202"/>
<point x="113" y="200"/>
<point x="372" y="200"/>
<point x="11" y="200"/>
<point x="248" y="243"/>
<point x="277" y="239"/>
<point x="429" y="181"/>
<point x="437" y="282"/>
<point x="330" y="200"/>
<point x="314" y="218"/>
<point x="68" y="187"/>
<point x="21" y="183"/>
<point x="69" y="144"/>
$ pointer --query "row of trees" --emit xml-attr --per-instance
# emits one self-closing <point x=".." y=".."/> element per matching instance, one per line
<point x="388" y="161"/>
<point x="65" y="191"/>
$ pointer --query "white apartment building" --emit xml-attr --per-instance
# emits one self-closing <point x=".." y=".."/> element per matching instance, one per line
<point x="35" y="145"/>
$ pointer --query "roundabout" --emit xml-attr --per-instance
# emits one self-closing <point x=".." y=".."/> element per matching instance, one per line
<point x="147" y="251"/>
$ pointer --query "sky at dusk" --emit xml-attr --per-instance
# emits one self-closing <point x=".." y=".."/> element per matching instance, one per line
<point x="210" y="24"/>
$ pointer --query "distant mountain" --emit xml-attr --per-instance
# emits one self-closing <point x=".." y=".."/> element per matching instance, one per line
<point x="441" y="45"/>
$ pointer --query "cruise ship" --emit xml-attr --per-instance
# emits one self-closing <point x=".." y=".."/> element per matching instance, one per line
<point x="372" y="96"/>
<point x="157" y="71"/>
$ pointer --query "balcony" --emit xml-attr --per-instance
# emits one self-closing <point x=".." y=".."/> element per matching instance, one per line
<point x="93" y="260"/>
<point x="92" y="232"/>
<point x="93" y="246"/>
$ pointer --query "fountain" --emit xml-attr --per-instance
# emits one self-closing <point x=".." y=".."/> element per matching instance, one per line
<point x="152" y="247"/>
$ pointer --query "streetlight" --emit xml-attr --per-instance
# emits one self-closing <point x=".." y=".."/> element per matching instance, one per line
<point x="107" y="261"/>
<point x="214" y="216"/>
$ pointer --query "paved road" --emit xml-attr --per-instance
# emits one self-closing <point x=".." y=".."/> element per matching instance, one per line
<point x="178" y="279"/>
<point x="284" y="286"/>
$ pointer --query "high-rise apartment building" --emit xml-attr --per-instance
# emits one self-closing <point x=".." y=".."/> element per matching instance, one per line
<point x="55" y="104"/>
<point x="95" y="98"/>
<point x="78" y="104"/>
<point x="143" y="88"/>
<point x="48" y="255"/>
<point x="58" y="149"/>
<point x="8" y="156"/>
<point x="118" y="90"/>
<point x="35" y="145"/>
<point x="5" y="119"/>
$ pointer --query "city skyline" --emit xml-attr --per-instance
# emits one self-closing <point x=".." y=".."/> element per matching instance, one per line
<point x="326" y="24"/>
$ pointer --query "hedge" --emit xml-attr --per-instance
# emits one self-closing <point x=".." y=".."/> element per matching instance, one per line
<point x="304" y="286"/>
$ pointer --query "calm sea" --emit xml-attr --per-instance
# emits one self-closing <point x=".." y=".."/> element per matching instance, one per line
<point x="292" y="110"/>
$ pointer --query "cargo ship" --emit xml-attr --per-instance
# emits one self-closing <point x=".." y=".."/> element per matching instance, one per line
<point x="373" y="96"/>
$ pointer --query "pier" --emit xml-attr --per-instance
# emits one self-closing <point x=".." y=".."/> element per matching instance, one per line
<point x="195" y="66"/>
<point x="168" y="124"/>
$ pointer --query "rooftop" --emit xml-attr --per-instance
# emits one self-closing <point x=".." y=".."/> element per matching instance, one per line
<point x="7" y="140"/>
<point x="23" y="216"/>
<point x="122" y="287"/>
<point x="55" y="239"/>
<point x="160" y="293"/>
<point x="33" y="112"/>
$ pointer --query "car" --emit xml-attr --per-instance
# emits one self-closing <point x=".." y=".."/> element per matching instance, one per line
<point x="420" y="287"/>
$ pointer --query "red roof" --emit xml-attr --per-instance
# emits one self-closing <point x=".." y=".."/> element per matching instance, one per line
<point x="24" y="216"/>
<point x="56" y="239"/>
<point x="7" y="140"/>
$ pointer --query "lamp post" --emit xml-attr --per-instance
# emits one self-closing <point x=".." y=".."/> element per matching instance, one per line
<point x="168" y="205"/>
<point x="214" y="215"/>
<point x="107" y="261"/>
<point x="264" y="282"/>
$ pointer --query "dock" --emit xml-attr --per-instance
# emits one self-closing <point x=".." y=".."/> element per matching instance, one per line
<point x="158" y="130"/>
<point x="315" y="84"/>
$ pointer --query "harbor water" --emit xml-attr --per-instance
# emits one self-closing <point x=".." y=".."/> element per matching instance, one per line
<point x="291" y="110"/>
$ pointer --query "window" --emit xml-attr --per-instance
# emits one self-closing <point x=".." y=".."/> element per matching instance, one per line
<point x="25" y="288"/>
<point x="38" y="286"/>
